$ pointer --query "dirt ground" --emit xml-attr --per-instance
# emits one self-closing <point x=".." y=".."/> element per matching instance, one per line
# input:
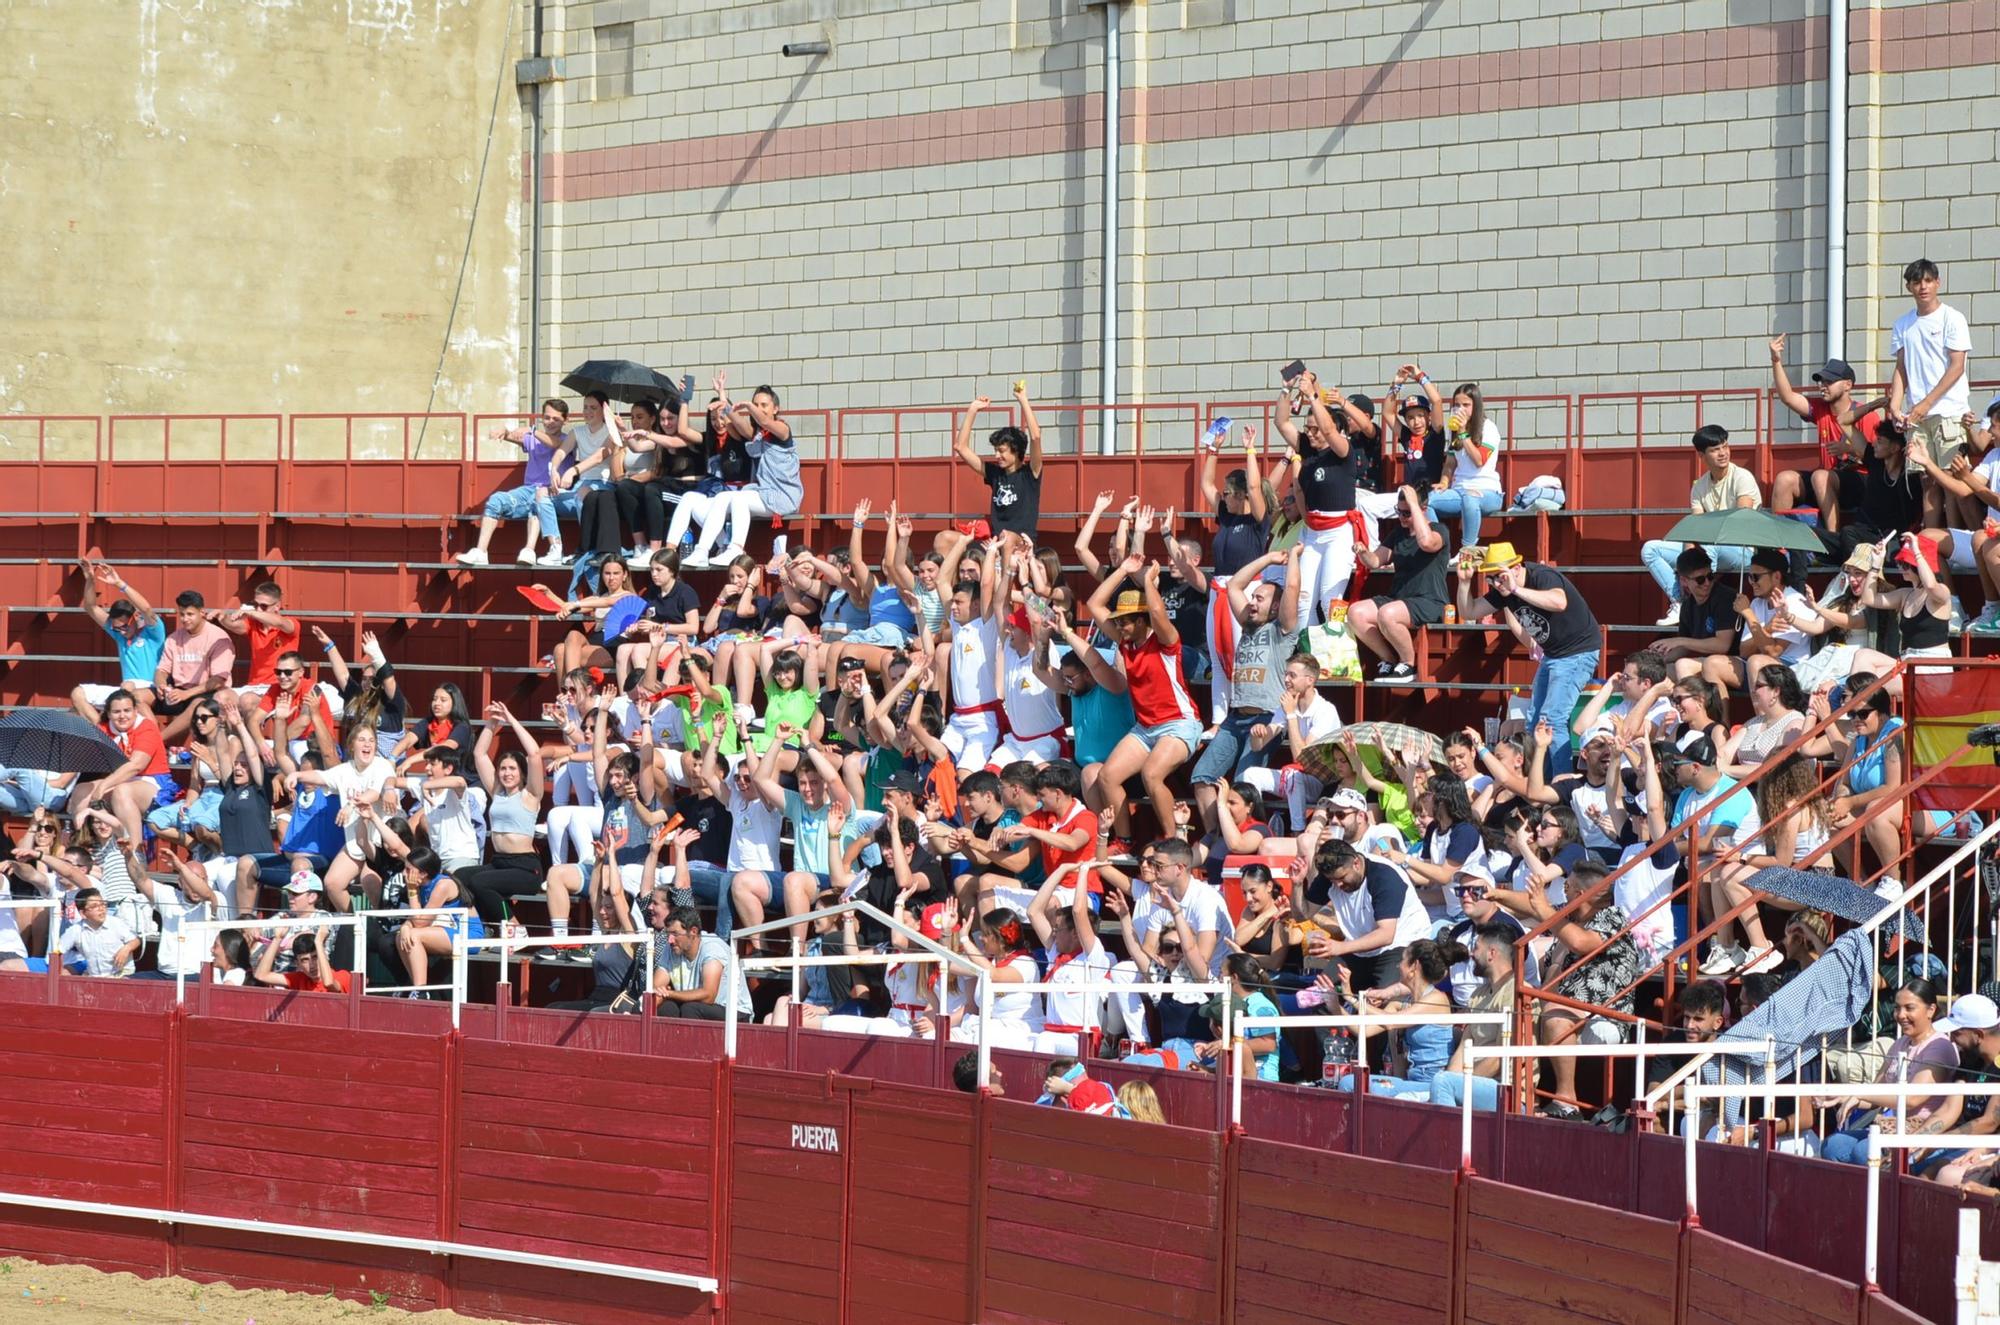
<point x="78" y="1295"/>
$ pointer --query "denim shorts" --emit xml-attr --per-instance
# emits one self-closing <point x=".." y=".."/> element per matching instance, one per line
<point x="1187" y="729"/>
<point x="511" y="504"/>
<point x="885" y="635"/>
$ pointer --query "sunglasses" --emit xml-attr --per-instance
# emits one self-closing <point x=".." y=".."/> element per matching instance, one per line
<point x="1680" y="699"/>
<point x="45" y="828"/>
<point x="290" y="671"/>
<point x="1468" y="889"/>
<point x="1169" y="947"/>
<point x="205" y="717"/>
<point x="1702" y="577"/>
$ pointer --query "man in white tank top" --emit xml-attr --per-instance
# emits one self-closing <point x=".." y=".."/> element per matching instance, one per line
<point x="1035" y="724"/>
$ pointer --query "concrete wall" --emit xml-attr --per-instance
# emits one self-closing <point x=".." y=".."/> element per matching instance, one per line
<point x="257" y="205"/>
<point x="1607" y="195"/>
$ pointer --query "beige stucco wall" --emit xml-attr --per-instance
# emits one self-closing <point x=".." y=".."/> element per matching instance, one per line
<point x="257" y="205"/>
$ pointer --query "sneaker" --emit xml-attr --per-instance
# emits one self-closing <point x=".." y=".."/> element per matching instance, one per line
<point x="526" y="556"/>
<point x="1670" y="617"/>
<point x="694" y="561"/>
<point x="745" y="715"/>
<point x="1764" y="959"/>
<point x="1722" y="959"/>
<point x="1987" y="622"/>
<point x="1397" y="673"/>
<point x="1557" y="1109"/>
<point x="555" y="556"/>
<point x="640" y="558"/>
<point x="727" y="555"/>
<point x="1382" y="670"/>
<point x="472" y="556"/>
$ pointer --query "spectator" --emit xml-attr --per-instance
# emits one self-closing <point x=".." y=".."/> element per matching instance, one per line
<point x="1697" y="711"/>
<point x="1723" y="486"/>
<point x="1836" y="484"/>
<point x="1304" y="718"/>
<point x="143" y="781"/>
<point x="550" y="450"/>
<point x="1974" y="1026"/>
<point x="1169" y="727"/>
<point x="100" y="943"/>
<point x="1922" y="1054"/>
<point x="197" y="661"/>
<point x="1547" y="613"/>
<point x="372" y="695"/>
<point x="194" y="819"/>
<point x="615" y="968"/>
<point x="1792" y="821"/>
<point x="630" y="813"/>
<point x="1067" y="1086"/>
<point x="585" y="646"/>
<point x="514" y="787"/>
<point x="1324" y="477"/>
<point x="1418" y="1053"/>
<point x="1141" y="1102"/>
<point x="1927" y="390"/>
<point x="1868" y="743"/>
<point x="1493" y="961"/>
<point x="1074" y="955"/>
<point x="1247" y="999"/>
<point x="1469" y="486"/>
<point x="1777" y="623"/>
<point x="421" y="937"/>
<point x="140" y="635"/>
<point x="775" y="487"/>
<point x="1270" y="633"/>
<point x="1242" y="505"/>
<point x="688" y="980"/>
<point x="312" y="971"/>
<point x="1100" y="707"/>
<point x="1416" y="556"/>
<point x="965" y="1076"/>
<point x="1892" y="489"/>
<point x="271" y="633"/>
<point x="1015" y="472"/>
<point x="1371" y="903"/>
<point x="1777" y="708"/>
<point x="1596" y="964"/>
<point x="1706" y="624"/>
<point x="1424" y="447"/>
<point x="1640" y="706"/>
<point x="997" y="943"/>
<point x="358" y="782"/>
<point x="597" y="442"/>
<point x="1922" y="604"/>
<point x="822" y="819"/>
<point x="292" y="709"/>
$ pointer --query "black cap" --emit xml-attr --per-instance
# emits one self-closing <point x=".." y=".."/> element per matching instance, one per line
<point x="1697" y="748"/>
<point x="1364" y="403"/>
<point x="1836" y="370"/>
<point x="905" y="781"/>
<point x="1417" y="401"/>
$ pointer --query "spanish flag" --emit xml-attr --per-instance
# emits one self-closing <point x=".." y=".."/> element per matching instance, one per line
<point x="1943" y="705"/>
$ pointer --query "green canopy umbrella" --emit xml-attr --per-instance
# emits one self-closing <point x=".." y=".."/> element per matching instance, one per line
<point x="1746" y="526"/>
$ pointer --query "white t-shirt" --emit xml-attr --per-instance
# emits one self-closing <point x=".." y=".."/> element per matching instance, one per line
<point x="1797" y="643"/>
<point x="1205" y="911"/>
<point x="1319" y="720"/>
<point x="973" y="646"/>
<point x="11" y="942"/>
<point x="348" y="782"/>
<point x="1926" y="344"/>
<point x="1066" y="1009"/>
<point x="1021" y="1009"/>
<point x="1586" y="798"/>
<point x="1648" y="878"/>
<point x="177" y="954"/>
<point x="588" y="441"/>
<point x="755" y="843"/>
<point x="1032" y="709"/>
<point x="1662" y="711"/>
<point x="1360" y="911"/>
<point x="1480" y="478"/>
<point x="449" y="820"/>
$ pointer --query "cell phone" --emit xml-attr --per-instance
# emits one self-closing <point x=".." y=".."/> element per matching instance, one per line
<point x="1291" y="371"/>
<point x="779" y="542"/>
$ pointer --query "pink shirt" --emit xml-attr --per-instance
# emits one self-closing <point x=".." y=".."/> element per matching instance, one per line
<point x="191" y="659"/>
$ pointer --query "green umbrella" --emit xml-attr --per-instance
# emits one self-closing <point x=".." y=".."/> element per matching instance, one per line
<point x="1745" y="526"/>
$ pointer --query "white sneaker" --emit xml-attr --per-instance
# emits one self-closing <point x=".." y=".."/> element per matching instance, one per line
<point x="724" y="557"/>
<point x="1765" y="959"/>
<point x="1670" y="617"/>
<point x="526" y="556"/>
<point x="639" y="558"/>
<point x="472" y="556"/>
<point x="1722" y="959"/>
<point x="554" y="556"/>
<point x="695" y="561"/>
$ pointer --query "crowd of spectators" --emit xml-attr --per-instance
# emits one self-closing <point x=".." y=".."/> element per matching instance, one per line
<point x="1127" y="773"/>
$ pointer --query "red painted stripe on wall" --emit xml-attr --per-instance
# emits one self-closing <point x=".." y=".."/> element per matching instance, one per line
<point x="1902" y="40"/>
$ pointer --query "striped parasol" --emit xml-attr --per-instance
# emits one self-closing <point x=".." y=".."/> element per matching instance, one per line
<point x="1395" y="741"/>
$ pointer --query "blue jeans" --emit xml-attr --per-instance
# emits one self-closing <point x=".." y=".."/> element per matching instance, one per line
<point x="710" y="885"/>
<point x="1449" y="1088"/>
<point x="1558" y="683"/>
<point x="1469" y="506"/>
<point x="511" y="504"/>
<point x="547" y="509"/>
<point x="24" y="790"/>
<point x="1660" y="556"/>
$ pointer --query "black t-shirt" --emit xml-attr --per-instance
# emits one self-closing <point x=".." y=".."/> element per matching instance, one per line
<point x="1239" y="540"/>
<point x="1017" y="499"/>
<point x="733" y="463"/>
<point x="1890" y="503"/>
<point x="673" y="606"/>
<point x="1704" y="621"/>
<point x="395" y="711"/>
<point x="1367" y="461"/>
<point x="711" y="818"/>
<point x="1427" y="466"/>
<point x="731" y="620"/>
<point x="1561" y="634"/>
<point x="246" y="818"/>
<point x="1419" y="576"/>
<point x="1187" y="609"/>
<point x="683" y="466"/>
<point x="1326" y="481"/>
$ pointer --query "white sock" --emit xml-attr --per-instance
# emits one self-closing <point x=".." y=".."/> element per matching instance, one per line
<point x="560" y="928"/>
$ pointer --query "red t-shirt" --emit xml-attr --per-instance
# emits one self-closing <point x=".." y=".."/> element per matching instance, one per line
<point x="269" y="704"/>
<point x="297" y="980"/>
<point x="1153" y="677"/>
<point x="144" y="737"/>
<point x="1053" y="857"/>
<point x="266" y="643"/>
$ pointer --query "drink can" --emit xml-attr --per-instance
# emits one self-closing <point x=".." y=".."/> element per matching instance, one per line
<point x="1451" y="614"/>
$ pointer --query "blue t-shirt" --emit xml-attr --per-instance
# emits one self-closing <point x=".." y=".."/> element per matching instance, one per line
<point x="1260" y="1005"/>
<point x="1731" y="813"/>
<point x="1101" y="718"/>
<point x="809" y="834"/>
<point x="312" y="830"/>
<point x="139" y="657"/>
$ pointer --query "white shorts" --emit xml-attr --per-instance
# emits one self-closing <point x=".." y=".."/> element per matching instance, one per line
<point x="1961" y="558"/>
<point x="970" y="737"/>
<point x="95" y="696"/>
<point x="634" y="878"/>
<point x="1013" y="750"/>
<point x="866" y="1026"/>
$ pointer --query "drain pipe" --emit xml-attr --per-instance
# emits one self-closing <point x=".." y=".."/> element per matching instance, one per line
<point x="535" y="217"/>
<point x="1107" y="275"/>
<point x="1836" y="179"/>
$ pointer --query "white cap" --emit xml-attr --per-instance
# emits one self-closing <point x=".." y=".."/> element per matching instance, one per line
<point x="1970" y="1012"/>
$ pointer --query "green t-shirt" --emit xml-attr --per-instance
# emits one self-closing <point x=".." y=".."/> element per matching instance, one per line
<point x="1395" y="802"/>
<point x="701" y="725"/>
<point x="794" y="706"/>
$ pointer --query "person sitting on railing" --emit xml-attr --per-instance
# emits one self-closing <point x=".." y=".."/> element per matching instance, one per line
<point x="1791" y="820"/>
<point x="551" y="450"/>
<point x="1922" y="605"/>
<point x="1547" y="613"/>
<point x="1922" y="1054"/>
<point x="1416" y="1053"/>
<point x="1595" y="964"/>
<point x="312" y="970"/>
<point x="1723" y="486"/>
<point x="1705" y="625"/>
<point x="140" y="634"/>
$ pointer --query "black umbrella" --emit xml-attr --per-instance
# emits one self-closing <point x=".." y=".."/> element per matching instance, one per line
<point x="621" y="379"/>
<point x="56" y="741"/>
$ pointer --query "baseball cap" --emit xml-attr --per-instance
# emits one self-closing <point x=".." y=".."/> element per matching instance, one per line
<point x="1992" y="406"/>
<point x="1835" y="370"/>
<point x="1600" y="731"/>
<point x="1347" y="798"/>
<point x="1698" y="750"/>
<point x="1362" y="401"/>
<point x="1474" y="870"/>
<point x="1971" y="1012"/>
<point x="1417" y="401"/>
<point x="904" y="780"/>
<point x="305" y="881"/>
<point x="931" y="923"/>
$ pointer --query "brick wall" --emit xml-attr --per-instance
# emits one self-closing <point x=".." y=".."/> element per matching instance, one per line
<point x="1610" y="196"/>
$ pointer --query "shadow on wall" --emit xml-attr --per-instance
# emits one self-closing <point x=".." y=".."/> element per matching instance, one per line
<point x="1375" y="81"/>
<point x="1079" y="177"/>
<point x="756" y="154"/>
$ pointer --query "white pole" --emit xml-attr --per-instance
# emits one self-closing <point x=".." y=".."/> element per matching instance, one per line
<point x="985" y="1016"/>
<point x="652" y="954"/>
<point x="1965" y="1271"/>
<point x="1107" y="241"/>
<point x="457" y="974"/>
<point x="729" y="978"/>
<point x="1236" y="1087"/>
<point x="1869" y="1278"/>
<point x="1639" y="1079"/>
